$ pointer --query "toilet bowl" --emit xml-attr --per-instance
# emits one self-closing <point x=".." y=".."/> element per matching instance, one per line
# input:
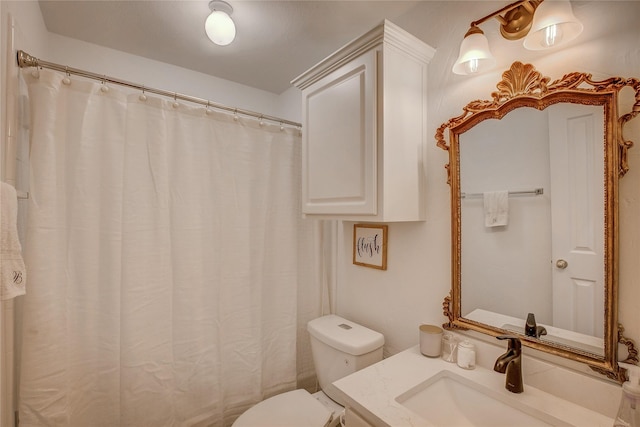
<point x="339" y="347"/>
<point x="297" y="408"/>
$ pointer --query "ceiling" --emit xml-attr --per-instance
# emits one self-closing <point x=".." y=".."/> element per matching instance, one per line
<point x="276" y="40"/>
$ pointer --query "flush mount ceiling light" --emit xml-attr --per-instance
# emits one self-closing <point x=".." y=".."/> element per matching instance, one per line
<point x="219" y="26"/>
<point x="545" y="24"/>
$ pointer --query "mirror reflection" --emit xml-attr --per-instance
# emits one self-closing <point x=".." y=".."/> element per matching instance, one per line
<point x="532" y="215"/>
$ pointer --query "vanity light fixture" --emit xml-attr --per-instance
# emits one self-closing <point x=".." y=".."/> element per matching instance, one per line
<point x="474" y="53"/>
<point x="219" y="26"/>
<point x="545" y="24"/>
<point x="553" y="24"/>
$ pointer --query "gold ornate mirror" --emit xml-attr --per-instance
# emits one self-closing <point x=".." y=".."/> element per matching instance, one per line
<point x="534" y="197"/>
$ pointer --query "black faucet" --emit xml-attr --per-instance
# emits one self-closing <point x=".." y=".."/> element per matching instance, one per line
<point x="531" y="329"/>
<point x="511" y="364"/>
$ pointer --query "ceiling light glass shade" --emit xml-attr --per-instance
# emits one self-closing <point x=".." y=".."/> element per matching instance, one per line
<point x="219" y="26"/>
<point x="475" y="55"/>
<point x="553" y="24"/>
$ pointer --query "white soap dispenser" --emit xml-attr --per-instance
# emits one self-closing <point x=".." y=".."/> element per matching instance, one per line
<point x="629" y="411"/>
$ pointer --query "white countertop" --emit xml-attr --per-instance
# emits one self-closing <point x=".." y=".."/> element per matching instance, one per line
<point x="372" y="391"/>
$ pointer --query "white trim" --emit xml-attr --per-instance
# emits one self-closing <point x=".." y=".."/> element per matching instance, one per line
<point x="386" y="32"/>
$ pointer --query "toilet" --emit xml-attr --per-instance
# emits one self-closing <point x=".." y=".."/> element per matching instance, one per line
<point x="339" y="348"/>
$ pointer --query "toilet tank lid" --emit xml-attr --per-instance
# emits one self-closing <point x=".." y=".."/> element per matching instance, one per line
<point x="345" y="335"/>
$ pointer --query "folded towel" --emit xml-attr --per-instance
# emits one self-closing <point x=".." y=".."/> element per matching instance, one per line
<point x="13" y="275"/>
<point x="496" y="208"/>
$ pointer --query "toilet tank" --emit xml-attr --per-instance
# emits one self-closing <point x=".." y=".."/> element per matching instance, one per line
<point x="341" y="347"/>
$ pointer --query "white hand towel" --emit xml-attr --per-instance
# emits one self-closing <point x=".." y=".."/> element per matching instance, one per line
<point x="496" y="208"/>
<point x="13" y="275"/>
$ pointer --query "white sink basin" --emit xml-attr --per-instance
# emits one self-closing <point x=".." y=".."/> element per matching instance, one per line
<point x="448" y="399"/>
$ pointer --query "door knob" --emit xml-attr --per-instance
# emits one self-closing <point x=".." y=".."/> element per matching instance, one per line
<point x="562" y="264"/>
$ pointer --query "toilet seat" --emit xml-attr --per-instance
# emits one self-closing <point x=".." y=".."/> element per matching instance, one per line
<point x="297" y="408"/>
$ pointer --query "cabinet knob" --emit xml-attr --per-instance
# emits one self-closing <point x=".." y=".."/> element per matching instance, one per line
<point x="562" y="264"/>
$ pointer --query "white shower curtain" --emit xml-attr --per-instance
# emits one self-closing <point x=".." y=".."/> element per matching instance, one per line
<point x="165" y="254"/>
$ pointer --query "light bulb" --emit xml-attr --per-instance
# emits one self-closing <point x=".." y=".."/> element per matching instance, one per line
<point x="220" y="28"/>
<point x="552" y="35"/>
<point x="471" y="66"/>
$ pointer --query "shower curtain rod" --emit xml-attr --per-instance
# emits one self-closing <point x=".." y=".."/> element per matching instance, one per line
<point x="25" y="61"/>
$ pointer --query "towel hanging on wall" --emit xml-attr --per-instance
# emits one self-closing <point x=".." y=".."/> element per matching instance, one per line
<point x="496" y="208"/>
<point x="13" y="275"/>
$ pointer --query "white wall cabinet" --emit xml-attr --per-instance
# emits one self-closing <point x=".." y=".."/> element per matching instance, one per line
<point x="364" y="115"/>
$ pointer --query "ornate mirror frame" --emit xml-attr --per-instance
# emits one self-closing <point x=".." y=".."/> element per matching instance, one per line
<point x="523" y="86"/>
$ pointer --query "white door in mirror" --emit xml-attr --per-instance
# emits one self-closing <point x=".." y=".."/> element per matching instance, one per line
<point x="577" y="218"/>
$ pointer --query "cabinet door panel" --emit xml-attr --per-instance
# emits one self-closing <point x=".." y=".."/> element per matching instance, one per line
<point x="340" y="141"/>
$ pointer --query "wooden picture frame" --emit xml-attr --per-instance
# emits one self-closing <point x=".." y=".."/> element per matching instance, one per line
<point x="370" y="245"/>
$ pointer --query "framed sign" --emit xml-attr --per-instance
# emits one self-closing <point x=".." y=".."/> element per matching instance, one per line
<point x="370" y="245"/>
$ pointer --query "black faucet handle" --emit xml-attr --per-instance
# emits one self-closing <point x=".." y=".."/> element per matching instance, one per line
<point x="514" y="341"/>
<point x="530" y="327"/>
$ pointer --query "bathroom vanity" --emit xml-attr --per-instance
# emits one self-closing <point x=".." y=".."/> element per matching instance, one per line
<point x="409" y="389"/>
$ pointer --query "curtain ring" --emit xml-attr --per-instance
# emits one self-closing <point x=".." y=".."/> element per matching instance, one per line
<point x="104" y="87"/>
<point x="66" y="80"/>
<point x="142" y="96"/>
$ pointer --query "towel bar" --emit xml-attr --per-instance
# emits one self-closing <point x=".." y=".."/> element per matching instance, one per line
<point x="534" y="192"/>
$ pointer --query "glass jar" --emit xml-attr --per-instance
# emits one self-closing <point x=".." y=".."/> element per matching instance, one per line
<point x="449" y="348"/>
<point x="466" y="355"/>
